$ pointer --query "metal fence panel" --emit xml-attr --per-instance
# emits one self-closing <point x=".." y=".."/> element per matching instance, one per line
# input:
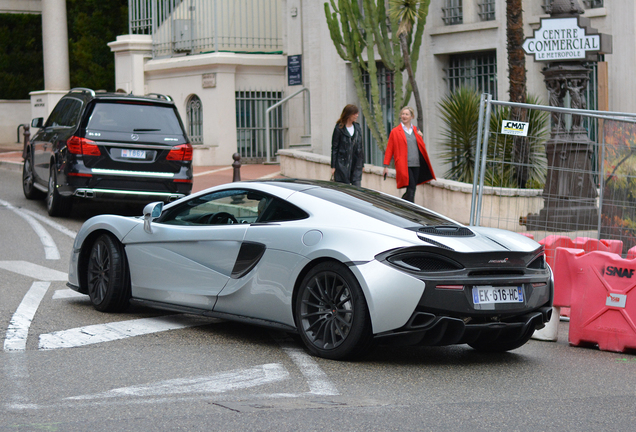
<point x="199" y="26"/>
<point x="559" y="179"/>
<point x="250" y="124"/>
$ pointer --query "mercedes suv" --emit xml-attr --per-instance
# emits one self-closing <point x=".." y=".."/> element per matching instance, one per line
<point x="108" y="146"/>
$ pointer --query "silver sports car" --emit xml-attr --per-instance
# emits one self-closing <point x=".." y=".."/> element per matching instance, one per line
<point x="341" y="266"/>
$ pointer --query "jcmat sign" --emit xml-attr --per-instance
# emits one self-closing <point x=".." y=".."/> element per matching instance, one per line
<point x="561" y="39"/>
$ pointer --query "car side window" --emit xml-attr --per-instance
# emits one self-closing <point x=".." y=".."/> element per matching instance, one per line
<point x="277" y="210"/>
<point x="70" y="115"/>
<point x="217" y="208"/>
<point x="55" y="119"/>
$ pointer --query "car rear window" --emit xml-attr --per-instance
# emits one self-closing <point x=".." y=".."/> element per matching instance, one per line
<point x="134" y="118"/>
<point x="377" y="205"/>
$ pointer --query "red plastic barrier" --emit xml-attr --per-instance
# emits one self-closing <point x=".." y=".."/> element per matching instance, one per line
<point x="591" y="245"/>
<point x="529" y="235"/>
<point x="561" y="285"/>
<point x="603" y="312"/>
<point x="631" y="254"/>
<point x="550" y="244"/>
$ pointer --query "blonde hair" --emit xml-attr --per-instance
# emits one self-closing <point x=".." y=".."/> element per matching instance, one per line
<point x="410" y="110"/>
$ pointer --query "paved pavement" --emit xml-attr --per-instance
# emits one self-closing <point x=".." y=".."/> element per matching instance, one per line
<point x="204" y="176"/>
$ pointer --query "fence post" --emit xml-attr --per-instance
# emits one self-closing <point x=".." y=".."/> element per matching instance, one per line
<point x="237" y="167"/>
<point x="27" y="138"/>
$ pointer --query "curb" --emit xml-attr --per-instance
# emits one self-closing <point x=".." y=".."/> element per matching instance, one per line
<point x="11" y="166"/>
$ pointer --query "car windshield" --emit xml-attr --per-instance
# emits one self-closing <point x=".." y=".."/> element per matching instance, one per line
<point x="133" y="117"/>
<point x="380" y="206"/>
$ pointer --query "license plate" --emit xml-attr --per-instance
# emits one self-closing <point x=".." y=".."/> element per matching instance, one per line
<point x="133" y="154"/>
<point x="490" y="294"/>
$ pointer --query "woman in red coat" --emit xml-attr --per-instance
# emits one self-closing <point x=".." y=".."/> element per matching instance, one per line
<point x="407" y="148"/>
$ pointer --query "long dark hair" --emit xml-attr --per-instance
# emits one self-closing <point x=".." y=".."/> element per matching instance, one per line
<point x="347" y="112"/>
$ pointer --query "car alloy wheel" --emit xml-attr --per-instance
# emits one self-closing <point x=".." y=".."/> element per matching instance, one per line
<point x="28" y="179"/>
<point x="107" y="275"/>
<point x="331" y="313"/>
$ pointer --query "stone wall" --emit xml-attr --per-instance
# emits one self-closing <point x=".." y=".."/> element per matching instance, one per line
<point x="501" y="207"/>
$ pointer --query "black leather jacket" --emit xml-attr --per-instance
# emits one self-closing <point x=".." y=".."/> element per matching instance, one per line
<point x="347" y="155"/>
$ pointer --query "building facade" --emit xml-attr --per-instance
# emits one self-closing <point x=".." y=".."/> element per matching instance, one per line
<point x="225" y="62"/>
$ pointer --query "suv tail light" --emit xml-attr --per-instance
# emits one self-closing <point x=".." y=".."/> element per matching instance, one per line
<point x="181" y="152"/>
<point x="83" y="146"/>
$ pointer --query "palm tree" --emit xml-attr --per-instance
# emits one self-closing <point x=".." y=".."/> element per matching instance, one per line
<point x="517" y="80"/>
<point x="407" y="12"/>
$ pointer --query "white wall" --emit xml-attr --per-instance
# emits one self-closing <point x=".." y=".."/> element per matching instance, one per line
<point x="12" y="114"/>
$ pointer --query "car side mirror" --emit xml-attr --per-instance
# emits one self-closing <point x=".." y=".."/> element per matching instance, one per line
<point x="151" y="211"/>
<point x="37" y="122"/>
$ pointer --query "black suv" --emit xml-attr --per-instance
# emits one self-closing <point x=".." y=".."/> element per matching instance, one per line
<point x="108" y="146"/>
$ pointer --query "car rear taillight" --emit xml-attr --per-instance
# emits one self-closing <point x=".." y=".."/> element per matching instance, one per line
<point x="182" y="152"/>
<point x="83" y="146"/>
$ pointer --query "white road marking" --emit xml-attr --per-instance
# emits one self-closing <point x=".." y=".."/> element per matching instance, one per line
<point x="34" y="271"/>
<point x="217" y="383"/>
<point x="99" y="333"/>
<point x="67" y="293"/>
<point x="212" y="171"/>
<point x="269" y="176"/>
<point x="318" y="381"/>
<point x="16" y="336"/>
<point x="50" y="249"/>
<point x="51" y="223"/>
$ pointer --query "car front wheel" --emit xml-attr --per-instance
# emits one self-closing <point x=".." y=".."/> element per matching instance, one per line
<point x="28" y="180"/>
<point x="107" y="275"/>
<point x="331" y="313"/>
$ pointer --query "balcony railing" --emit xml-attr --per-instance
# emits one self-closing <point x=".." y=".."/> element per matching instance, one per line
<point x="200" y="26"/>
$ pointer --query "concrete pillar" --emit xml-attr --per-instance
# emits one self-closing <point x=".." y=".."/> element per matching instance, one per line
<point x="55" y="45"/>
<point x="131" y="54"/>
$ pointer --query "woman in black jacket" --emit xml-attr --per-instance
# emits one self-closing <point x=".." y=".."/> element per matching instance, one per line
<point x="347" y="150"/>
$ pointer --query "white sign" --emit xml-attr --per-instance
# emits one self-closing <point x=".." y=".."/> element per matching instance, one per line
<point x="561" y="39"/>
<point x="510" y="127"/>
<point x="209" y="80"/>
<point x="616" y="300"/>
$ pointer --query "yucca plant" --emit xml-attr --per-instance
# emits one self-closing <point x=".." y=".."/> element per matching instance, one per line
<point x="460" y="115"/>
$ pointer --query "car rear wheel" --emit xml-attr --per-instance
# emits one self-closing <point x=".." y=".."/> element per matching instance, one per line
<point x="28" y="180"/>
<point x="56" y="204"/>
<point x="108" y="277"/>
<point x="331" y="313"/>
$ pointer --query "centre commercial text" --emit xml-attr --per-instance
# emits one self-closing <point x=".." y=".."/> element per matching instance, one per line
<point x="558" y="40"/>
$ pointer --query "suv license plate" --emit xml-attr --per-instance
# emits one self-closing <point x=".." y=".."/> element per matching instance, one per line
<point x="487" y="294"/>
<point x="133" y="154"/>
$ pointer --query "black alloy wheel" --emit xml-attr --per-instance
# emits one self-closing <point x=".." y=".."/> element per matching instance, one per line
<point x="332" y="316"/>
<point x="56" y="204"/>
<point x="107" y="276"/>
<point x="28" y="180"/>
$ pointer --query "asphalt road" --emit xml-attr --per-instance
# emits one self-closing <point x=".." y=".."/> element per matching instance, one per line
<point x="67" y="367"/>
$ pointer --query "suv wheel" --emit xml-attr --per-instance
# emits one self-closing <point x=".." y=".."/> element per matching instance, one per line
<point x="28" y="180"/>
<point x="56" y="204"/>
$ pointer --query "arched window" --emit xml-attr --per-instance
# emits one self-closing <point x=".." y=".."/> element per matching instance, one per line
<point x="195" y="119"/>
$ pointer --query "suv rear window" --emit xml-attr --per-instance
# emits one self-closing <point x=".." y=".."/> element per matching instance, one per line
<point x="134" y="118"/>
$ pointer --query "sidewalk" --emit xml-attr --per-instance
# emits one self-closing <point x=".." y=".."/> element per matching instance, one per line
<point x="204" y="176"/>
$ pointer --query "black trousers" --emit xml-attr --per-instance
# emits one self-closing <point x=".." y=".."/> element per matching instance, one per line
<point x="414" y="173"/>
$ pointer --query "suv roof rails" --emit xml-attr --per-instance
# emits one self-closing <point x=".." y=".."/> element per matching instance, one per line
<point x="160" y="96"/>
<point x="83" y="90"/>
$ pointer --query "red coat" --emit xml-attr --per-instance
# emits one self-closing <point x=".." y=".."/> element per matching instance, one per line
<point x="397" y="149"/>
